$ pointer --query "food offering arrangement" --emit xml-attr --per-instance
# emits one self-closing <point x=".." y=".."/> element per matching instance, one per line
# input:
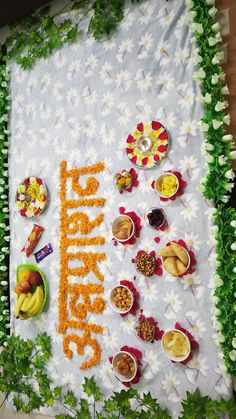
<point x="166" y="185"/>
<point x="31" y="291"/>
<point x="123" y="228"/>
<point x="121" y="299"/>
<point x="176" y="345"/>
<point x="176" y="259"/>
<point x="31" y="197"/>
<point x="147" y="144"/>
<point x="155" y="218"/>
<point x="123" y="180"/>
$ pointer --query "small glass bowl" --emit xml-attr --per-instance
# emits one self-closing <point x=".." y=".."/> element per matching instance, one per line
<point x="122" y="172"/>
<point x="147" y="220"/>
<point x="154" y="267"/>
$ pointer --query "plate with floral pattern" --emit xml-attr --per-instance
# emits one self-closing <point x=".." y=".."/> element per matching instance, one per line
<point x="31" y="197"/>
<point x="147" y="144"/>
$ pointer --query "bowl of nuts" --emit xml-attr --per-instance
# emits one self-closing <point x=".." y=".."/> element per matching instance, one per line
<point x="144" y="330"/>
<point x="145" y="264"/>
<point x="121" y="299"/>
<point x="124" y="366"/>
<point x="123" y="228"/>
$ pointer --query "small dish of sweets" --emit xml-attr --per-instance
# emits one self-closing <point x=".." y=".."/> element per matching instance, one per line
<point x="155" y="218"/>
<point x="144" y="330"/>
<point x="123" y="180"/>
<point x="175" y="345"/>
<point x="121" y="299"/>
<point x="166" y="185"/>
<point x="176" y="259"/>
<point x="124" y="366"/>
<point x="123" y="228"/>
<point x="145" y="264"/>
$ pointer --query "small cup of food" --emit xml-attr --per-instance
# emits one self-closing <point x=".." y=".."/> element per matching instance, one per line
<point x="175" y="258"/>
<point x="123" y="228"/>
<point x="121" y="299"/>
<point x="166" y="185"/>
<point x="145" y="264"/>
<point x="175" y="345"/>
<point x="124" y="366"/>
<point x="144" y="330"/>
<point x="123" y="180"/>
<point x="154" y="218"/>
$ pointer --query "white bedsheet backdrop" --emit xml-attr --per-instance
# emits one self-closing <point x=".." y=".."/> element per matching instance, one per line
<point x="79" y="105"/>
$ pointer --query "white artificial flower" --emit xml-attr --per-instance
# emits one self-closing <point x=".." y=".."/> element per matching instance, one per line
<point x="90" y="65"/>
<point x="162" y="53"/>
<point x="187" y="129"/>
<point x="216" y="123"/>
<point x="166" y="17"/>
<point x="145" y="43"/>
<point x="44" y="111"/>
<point x="187" y="98"/>
<point x="74" y="128"/>
<point x="181" y="55"/>
<point x="169" y="385"/>
<point x="45" y="82"/>
<point x="125" y="48"/>
<point x="67" y="378"/>
<point x="191" y="207"/>
<point x="72" y="96"/>
<point x="165" y="82"/>
<point x="143" y="79"/>
<point x="59" y="59"/>
<point x="128" y="20"/>
<point x="151" y="364"/>
<point x="107" y="375"/>
<point x="105" y="72"/>
<point x="108" y="102"/>
<point x="58" y="90"/>
<point x="192" y="240"/>
<point x="192" y="281"/>
<point x="196" y="366"/>
<point x="127" y="324"/>
<point x="89" y="126"/>
<point x="146" y="11"/>
<point x="111" y="340"/>
<point x="170" y="232"/>
<point x="144" y="110"/>
<point x="124" y="80"/>
<point x="148" y="291"/>
<point x="173" y="301"/>
<point x="31" y="84"/>
<point x="190" y="165"/>
<point x="90" y="96"/>
<point x="73" y="68"/>
<point x="59" y="116"/>
<point x="108" y="135"/>
<point x="124" y="116"/>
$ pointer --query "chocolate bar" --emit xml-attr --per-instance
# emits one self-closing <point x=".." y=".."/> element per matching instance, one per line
<point x="32" y="240"/>
<point x="43" y="253"/>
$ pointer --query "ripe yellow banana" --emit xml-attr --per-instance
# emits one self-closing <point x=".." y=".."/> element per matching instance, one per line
<point x="26" y="302"/>
<point x="30" y="302"/>
<point x="18" y="305"/>
<point x="23" y="316"/>
<point x="38" y="303"/>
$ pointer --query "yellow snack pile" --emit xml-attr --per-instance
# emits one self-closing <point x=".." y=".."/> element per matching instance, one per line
<point x="167" y="185"/>
<point x="176" y="344"/>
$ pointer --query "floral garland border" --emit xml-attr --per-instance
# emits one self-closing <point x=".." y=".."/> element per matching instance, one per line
<point x="218" y="145"/>
<point x="224" y="314"/>
<point x="4" y="208"/>
<point x="219" y="181"/>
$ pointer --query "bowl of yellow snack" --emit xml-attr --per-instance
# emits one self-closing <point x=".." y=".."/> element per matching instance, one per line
<point x="175" y="345"/>
<point x="166" y="185"/>
<point x="124" y="366"/>
<point x="175" y="259"/>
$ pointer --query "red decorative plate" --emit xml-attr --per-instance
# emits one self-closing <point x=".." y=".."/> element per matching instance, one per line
<point x="147" y="144"/>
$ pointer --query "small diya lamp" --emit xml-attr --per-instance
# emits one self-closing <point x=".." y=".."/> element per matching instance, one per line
<point x="121" y="299"/>
<point x="124" y="366"/>
<point x="166" y="185"/>
<point x="176" y="345"/>
<point x="123" y="228"/>
<point x="123" y="180"/>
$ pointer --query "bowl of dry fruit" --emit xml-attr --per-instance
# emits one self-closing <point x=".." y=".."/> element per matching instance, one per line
<point x="145" y="264"/>
<point x="123" y="228"/>
<point x="124" y="366"/>
<point x="144" y="330"/>
<point x="154" y="218"/>
<point x="123" y="180"/>
<point x="121" y="299"/>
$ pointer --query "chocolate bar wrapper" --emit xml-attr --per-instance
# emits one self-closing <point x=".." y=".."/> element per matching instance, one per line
<point x="43" y="253"/>
<point x="32" y="240"/>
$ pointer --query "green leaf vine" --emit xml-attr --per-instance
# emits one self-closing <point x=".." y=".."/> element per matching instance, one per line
<point x="24" y="377"/>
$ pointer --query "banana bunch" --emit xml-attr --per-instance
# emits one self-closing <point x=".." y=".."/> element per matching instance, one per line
<point x="28" y="305"/>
